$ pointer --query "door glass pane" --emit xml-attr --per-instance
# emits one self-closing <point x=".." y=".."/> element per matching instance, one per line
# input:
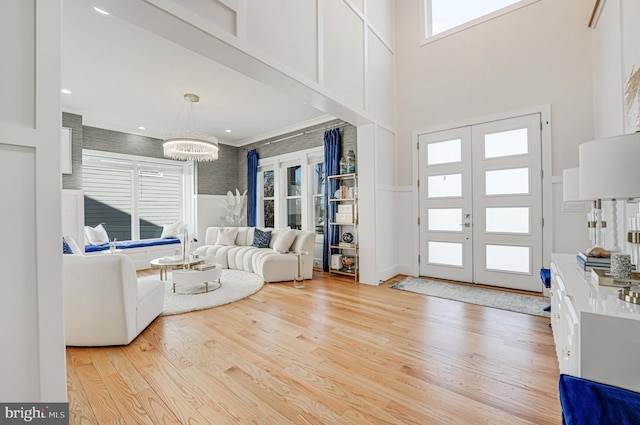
<point x="294" y="181"/>
<point x="269" y="213"/>
<point x="506" y="143"/>
<point x="294" y="213"/>
<point x="447" y="253"/>
<point x="508" y="258"/>
<point x="507" y="220"/>
<point x="507" y="182"/>
<point x="445" y="219"/>
<point x="444" y="152"/>
<point x="444" y="186"/>
<point x="267" y="183"/>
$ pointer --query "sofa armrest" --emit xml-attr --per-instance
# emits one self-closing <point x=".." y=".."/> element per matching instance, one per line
<point x="100" y="298"/>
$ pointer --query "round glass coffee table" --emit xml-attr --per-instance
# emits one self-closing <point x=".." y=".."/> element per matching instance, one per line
<point x="168" y="263"/>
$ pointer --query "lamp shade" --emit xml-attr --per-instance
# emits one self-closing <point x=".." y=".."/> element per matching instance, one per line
<point x="571" y="185"/>
<point x="609" y="168"/>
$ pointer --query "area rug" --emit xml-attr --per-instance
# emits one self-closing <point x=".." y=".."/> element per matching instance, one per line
<point x="234" y="285"/>
<point x="520" y="303"/>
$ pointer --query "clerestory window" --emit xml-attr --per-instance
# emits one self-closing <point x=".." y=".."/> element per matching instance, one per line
<point x="440" y="18"/>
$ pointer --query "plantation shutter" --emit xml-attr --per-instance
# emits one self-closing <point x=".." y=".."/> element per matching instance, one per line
<point x="159" y="198"/>
<point x="108" y="196"/>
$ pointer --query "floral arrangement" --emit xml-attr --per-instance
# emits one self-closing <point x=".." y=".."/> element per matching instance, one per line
<point x="236" y="208"/>
<point x="632" y="96"/>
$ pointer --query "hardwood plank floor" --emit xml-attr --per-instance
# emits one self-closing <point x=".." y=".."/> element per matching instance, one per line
<point x="335" y="352"/>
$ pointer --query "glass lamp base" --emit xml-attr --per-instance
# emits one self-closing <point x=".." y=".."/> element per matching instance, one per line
<point x="298" y="281"/>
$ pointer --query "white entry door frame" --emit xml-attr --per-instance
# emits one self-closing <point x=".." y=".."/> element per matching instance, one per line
<point x="545" y="115"/>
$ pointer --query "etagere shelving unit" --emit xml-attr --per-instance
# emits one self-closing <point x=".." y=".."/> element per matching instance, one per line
<point x="345" y="224"/>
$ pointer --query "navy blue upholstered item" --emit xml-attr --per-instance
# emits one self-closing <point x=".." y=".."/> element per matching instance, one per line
<point x="586" y="402"/>
<point x="132" y="244"/>
<point x="66" y="249"/>
<point x="545" y="277"/>
<point x="261" y="238"/>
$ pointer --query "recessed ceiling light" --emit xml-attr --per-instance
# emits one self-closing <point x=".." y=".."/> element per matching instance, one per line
<point x="141" y="127"/>
<point x="104" y="12"/>
<point x="65" y="91"/>
<point x="227" y="131"/>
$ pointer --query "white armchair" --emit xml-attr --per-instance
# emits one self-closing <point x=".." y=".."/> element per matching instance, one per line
<point x="104" y="302"/>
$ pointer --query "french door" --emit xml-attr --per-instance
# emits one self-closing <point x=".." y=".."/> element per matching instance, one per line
<point x="481" y="203"/>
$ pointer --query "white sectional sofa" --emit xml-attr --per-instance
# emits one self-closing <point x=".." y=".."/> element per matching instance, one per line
<point x="104" y="301"/>
<point x="273" y="264"/>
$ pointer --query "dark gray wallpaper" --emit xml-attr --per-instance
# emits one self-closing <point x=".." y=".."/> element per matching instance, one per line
<point x="307" y="140"/>
<point x="219" y="177"/>
<point x="100" y="139"/>
<point x="213" y="178"/>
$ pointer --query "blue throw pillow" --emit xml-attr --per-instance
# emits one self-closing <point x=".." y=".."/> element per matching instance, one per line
<point x="66" y="249"/>
<point x="261" y="238"/>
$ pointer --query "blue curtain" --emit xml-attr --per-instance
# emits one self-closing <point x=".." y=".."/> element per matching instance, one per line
<point x="332" y="168"/>
<point x="252" y="187"/>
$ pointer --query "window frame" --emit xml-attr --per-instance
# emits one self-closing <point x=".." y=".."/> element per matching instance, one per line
<point x="261" y="198"/>
<point x="306" y="159"/>
<point x="425" y="21"/>
<point x="141" y="163"/>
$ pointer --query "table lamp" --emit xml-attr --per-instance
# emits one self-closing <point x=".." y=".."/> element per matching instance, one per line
<point x="609" y="170"/>
<point x="595" y="219"/>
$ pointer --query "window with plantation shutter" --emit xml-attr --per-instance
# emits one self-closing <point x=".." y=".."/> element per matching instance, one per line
<point x="108" y="197"/>
<point x="159" y="198"/>
<point x="133" y="196"/>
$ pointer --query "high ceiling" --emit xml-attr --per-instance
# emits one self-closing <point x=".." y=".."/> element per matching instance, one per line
<point x="123" y="77"/>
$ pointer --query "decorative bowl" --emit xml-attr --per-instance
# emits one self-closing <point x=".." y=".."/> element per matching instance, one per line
<point x="348" y="262"/>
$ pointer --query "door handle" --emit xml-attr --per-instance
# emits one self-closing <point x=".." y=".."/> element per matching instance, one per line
<point x="465" y="224"/>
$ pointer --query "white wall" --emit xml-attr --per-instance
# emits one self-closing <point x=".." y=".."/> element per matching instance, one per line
<point x="209" y="209"/>
<point x="32" y="357"/>
<point x="336" y="55"/>
<point x="73" y="215"/>
<point x="608" y="116"/>
<point x="616" y="51"/>
<point x="536" y="55"/>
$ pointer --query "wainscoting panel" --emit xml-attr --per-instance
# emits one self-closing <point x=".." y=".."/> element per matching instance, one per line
<point x="19" y="301"/>
<point x="405" y="225"/>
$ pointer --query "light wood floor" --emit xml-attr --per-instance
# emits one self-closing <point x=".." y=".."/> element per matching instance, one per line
<point x="335" y="352"/>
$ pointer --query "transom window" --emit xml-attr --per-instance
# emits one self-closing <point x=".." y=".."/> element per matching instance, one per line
<point x="440" y="18"/>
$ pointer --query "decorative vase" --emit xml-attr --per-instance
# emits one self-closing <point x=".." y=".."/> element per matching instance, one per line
<point x="343" y="165"/>
<point x="351" y="162"/>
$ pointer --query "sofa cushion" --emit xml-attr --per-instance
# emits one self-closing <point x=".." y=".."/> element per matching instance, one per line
<point x="261" y="238"/>
<point x="75" y="249"/>
<point x="66" y="249"/>
<point x="275" y="234"/>
<point x="245" y="236"/>
<point x="96" y="235"/>
<point x="172" y="230"/>
<point x="227" y="236"/>
<point x="284" y="241"/>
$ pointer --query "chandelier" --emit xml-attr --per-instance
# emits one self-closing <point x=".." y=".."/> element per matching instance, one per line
<point x="187" y="145"/>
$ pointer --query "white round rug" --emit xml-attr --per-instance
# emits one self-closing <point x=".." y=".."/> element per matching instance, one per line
<point x="235" y="285"/>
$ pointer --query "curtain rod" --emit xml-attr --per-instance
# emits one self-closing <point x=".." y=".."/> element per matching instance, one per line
<point x="342" y="124"/>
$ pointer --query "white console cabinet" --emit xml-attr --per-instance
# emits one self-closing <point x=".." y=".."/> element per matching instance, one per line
<point x="597" y="335"/>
